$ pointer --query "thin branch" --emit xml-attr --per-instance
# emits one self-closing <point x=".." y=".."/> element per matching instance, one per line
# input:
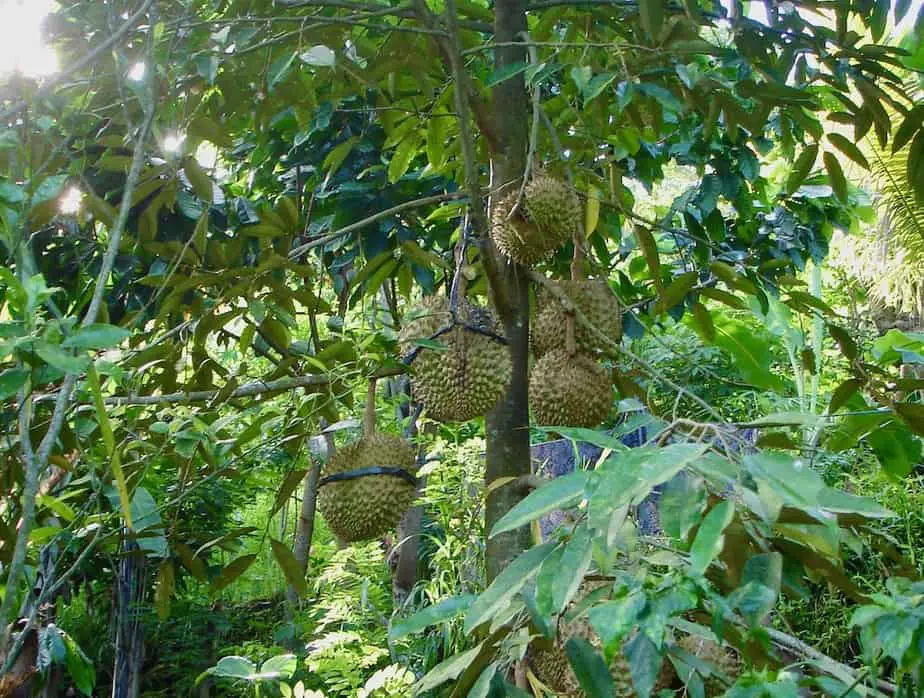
<point x="252" y="389"/>
<point x="476" y="202"/>
<point x="416" y="203"/>
<point x="82" y="63"/>
<point x="358" y="20"/>
<point x="823" y="661"/>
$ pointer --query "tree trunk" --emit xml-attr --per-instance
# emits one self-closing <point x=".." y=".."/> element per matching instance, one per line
<point x="508" y="425"/>
<point x="302" y="548"/>
<point x="129" y="641"/>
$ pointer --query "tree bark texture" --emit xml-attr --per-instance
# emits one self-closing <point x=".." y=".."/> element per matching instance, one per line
<point x="129" y="641"/>
<point x="305" y="530"/>
<point x="508" y="425"/>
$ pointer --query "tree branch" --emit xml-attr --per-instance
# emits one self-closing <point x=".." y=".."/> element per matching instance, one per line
<point x="251" y="389"/>
<point x="416" y="203"/>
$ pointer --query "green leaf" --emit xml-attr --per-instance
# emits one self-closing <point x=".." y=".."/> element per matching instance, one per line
<point x="844" y="340"/>
<point x="282" y="666"/>
<point x="146" y="516"/>
<point x="505" y="73"/>
<point x="710" y="537"/>
<point x="12" y="193"/>
<point x="11" y="380"/>
<point x="191" y="561"/>
<point x="431" y="615"/>
<point x="629" y="476"/>
<point x="836" y="176"/>
<point x="912" y="413"/>
<point x="232" y="571"/>
<point x="200" y="181"/>
<point x="614" y="620"/>
<point x="294" y="574"/>
<point x="53" y="355"/>
<point x="649" y="248"/>
<point x="897" y="449"/>
<point x="506" y="585"/>
<point x="575" y="561"/>
<point x="843" y="393"/>
<point x="338" y="154"/>
<point x="402" y="157"/>
<point x="644" y="663"/>
<point x="293" y="479"/>
<point x="674" y="292"/>
<point x="558" y="493"/>
<point x="589" y="668"/>
<point x="112" y="452"/>
<point x="900" y="9"/>
<point x="725" y="297"/>
<point x="482" y="686"/>
<point x="895" y="634"/>
<point x="849" y="149"/>
<point x="703" y="320"/>
<point x="681" y="506"/>
<point x="79" y="666"/>
<point x="448" y="670"/>
<point x="234" y="667"/>
<point x="801" y="168"/>
<point x="597" y="84"/>
<point x="164" y="590"/>
<point x="208" y="129"/>
<point x="437" y="136"/>
<point x="651" y="14"/>
<point x="98" y="336"/>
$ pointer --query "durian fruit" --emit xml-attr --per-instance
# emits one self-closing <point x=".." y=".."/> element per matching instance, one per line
<point x="570" y="391"/>
<point x="551" y="666"/>
<point x="595" y="300"/>
<point x="546" y="219"/>
<point x="468" y="377"/>
<point x="724" y="660"/>
<point x="367" y="507"/>
<point x="552" y="207"/>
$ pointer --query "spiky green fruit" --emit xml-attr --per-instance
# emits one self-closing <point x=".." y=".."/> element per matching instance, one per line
<point x="367" y="507"/>
<point x="550" y="663"/>
<point x="552" y="206"/>
<point x="596" y="302"/>
<point x="470" y="373"/>
<point x="572" y="391"/>
<point x="545" y="219"/>
<point x="722" y="659"/>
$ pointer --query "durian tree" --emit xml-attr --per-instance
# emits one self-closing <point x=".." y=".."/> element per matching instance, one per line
<point x="483" y="153"/>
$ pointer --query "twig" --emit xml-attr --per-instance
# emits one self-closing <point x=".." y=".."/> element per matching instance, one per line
<point x="416" y="203"/>
<point x="476" y="203"/>
<point x="826" y="663"/>
<point x="247" y="390"/>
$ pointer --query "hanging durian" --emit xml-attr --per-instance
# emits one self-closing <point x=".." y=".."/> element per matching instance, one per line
<point x="569" y="390"/>
<point x="545" y="219"/>
<point x="567" y="387"/>
<point x="722" y="658"/>
<point x="367" y="507"/>
<point x="595" y="300"/>
<point x="470" y="373"/>
<point x="551" y="666"/>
